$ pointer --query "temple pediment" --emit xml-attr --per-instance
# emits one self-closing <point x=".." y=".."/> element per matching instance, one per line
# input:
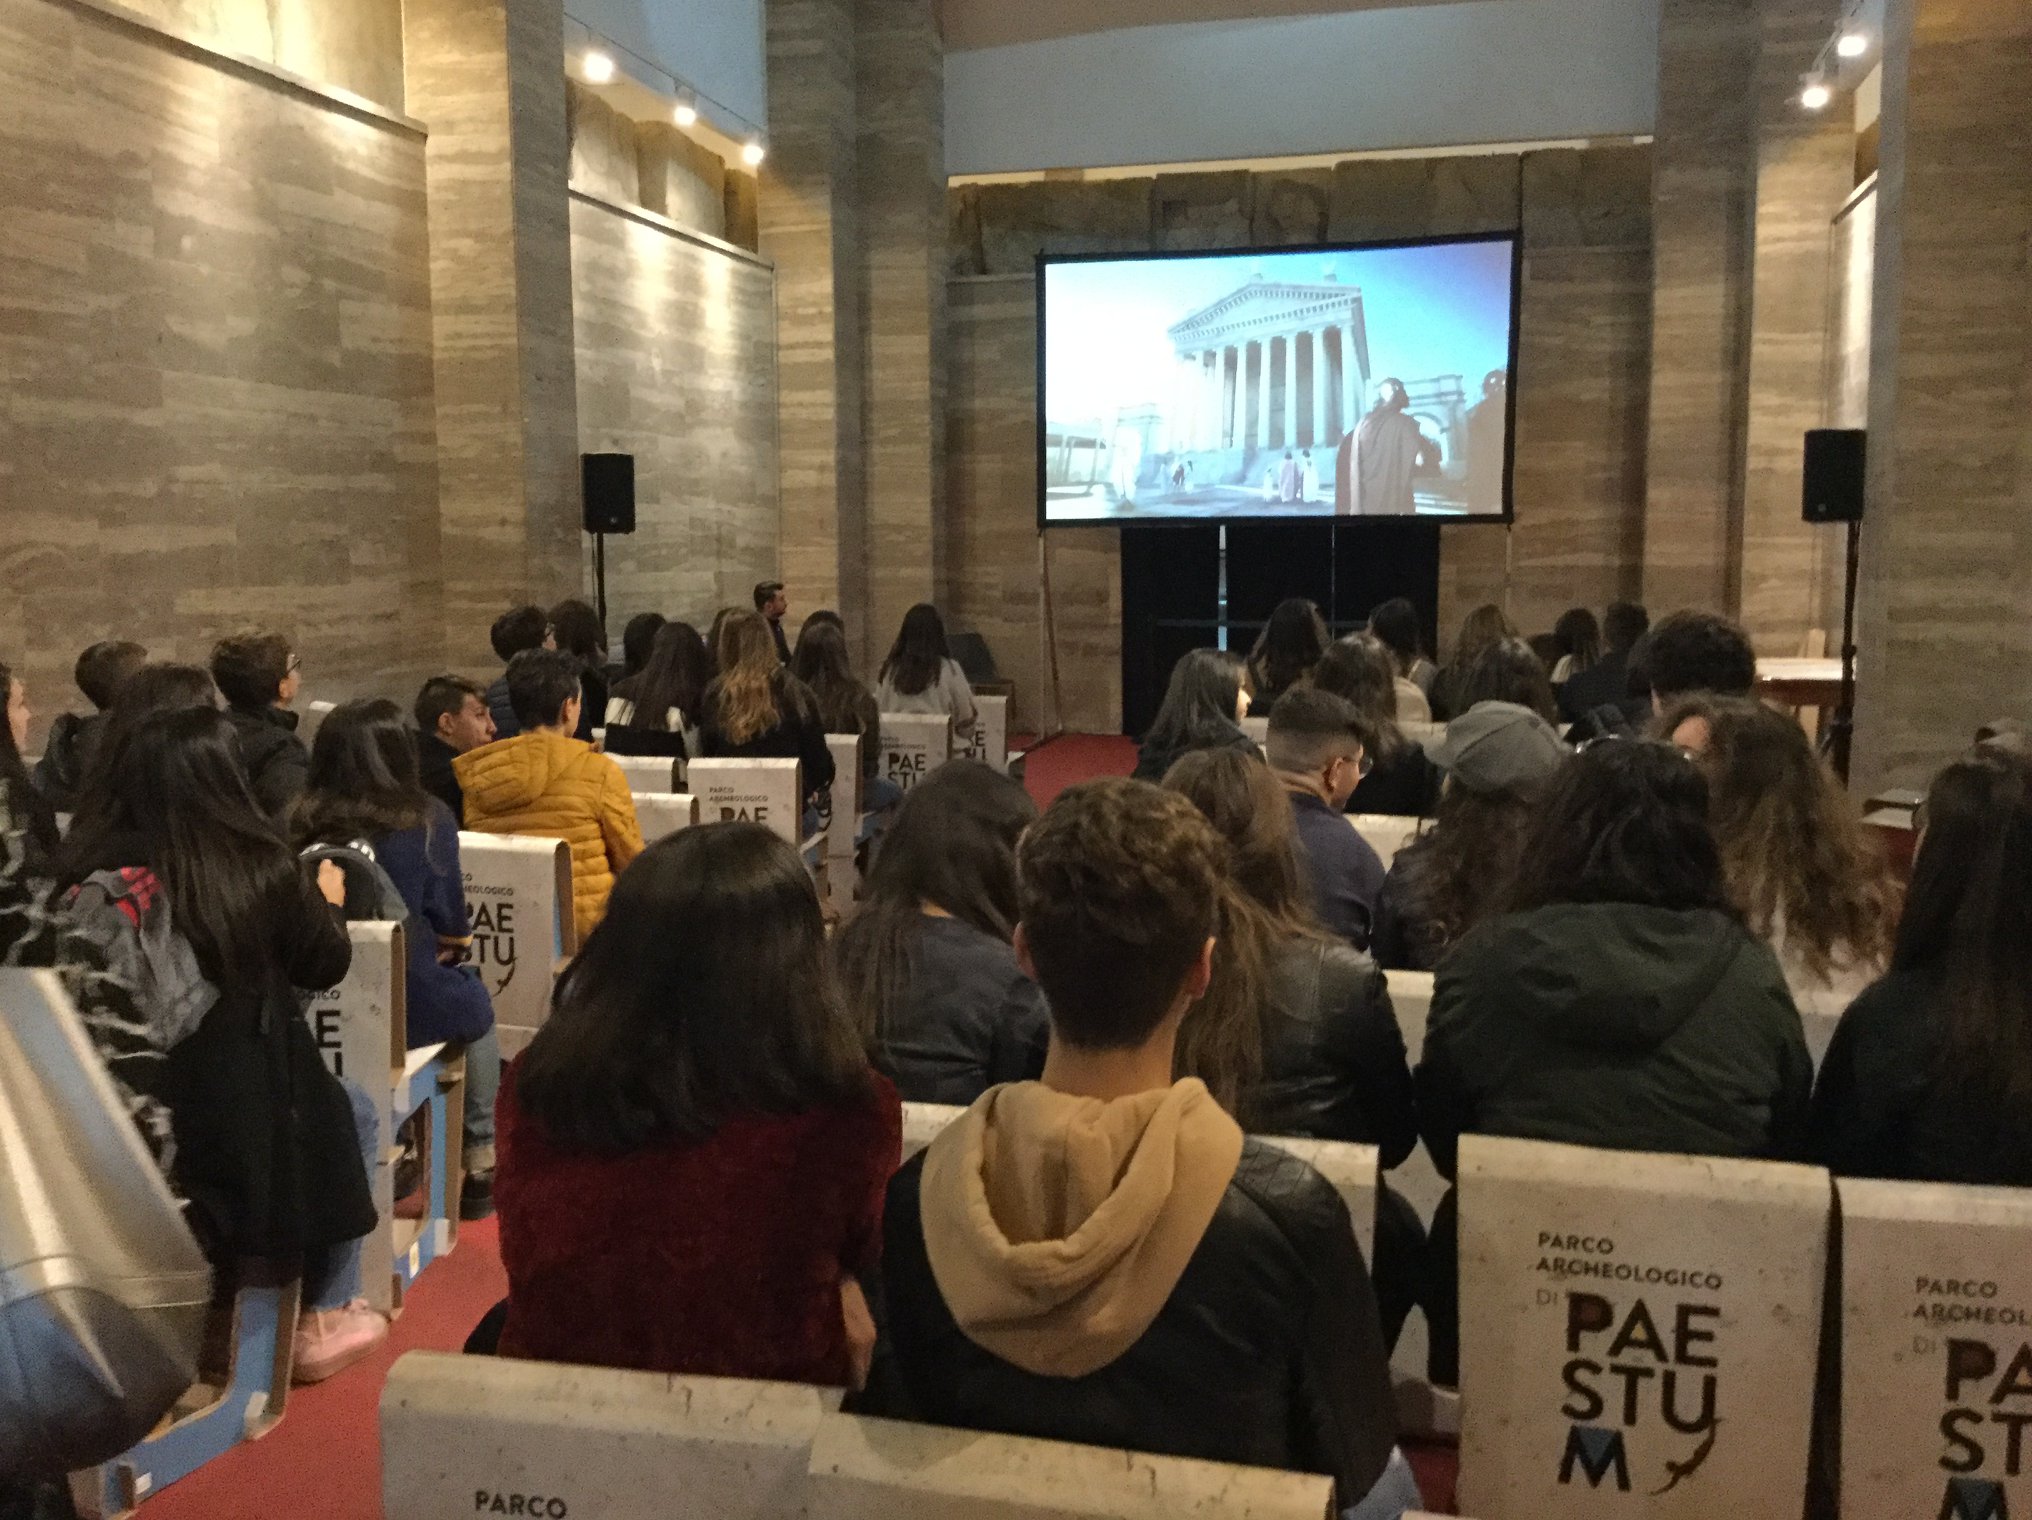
<point x="1264" y="308"/>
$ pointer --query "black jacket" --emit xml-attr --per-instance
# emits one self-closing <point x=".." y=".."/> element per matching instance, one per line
<point x="61" y="770"/>
<point x="968" y="1019"/>
<point x="1405" y="785"/>
<point x="1268" y="1352"/>
<point x="1617" y="1026"/>
<point x="1606" y="683"/>
<point x="1882" y="1110"/>
<point x="434" y="763"/>
<point x="276" y="762"/>
<point x="1154" y="760"/>
<point x="1334" y="1066"/>
<point x="799" y="734"/>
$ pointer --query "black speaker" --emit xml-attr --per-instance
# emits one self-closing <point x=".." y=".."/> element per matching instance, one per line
<point x="609" y="486"/>
<point x="1836" y="463"/>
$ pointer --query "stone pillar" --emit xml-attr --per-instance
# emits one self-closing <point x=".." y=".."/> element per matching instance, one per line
<point x="1351" y="381"/>
<point x="1946" y="599"/>
<point x="1238" y="397"/>
<point x="811" y="230"/>
<point x="900" y="167"/>
<point x="1701" y="189"/>
<point x="1322" y="393"/>
<point x="1805" y="169"/>
<point x="1210" y="401"/>
<point x="1291" y="390"/>
<point x="1263" y="393"/>
<point x="485" y="75"/>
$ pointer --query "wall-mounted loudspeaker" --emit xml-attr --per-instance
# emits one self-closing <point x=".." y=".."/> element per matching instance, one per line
<point x="1836" y="460"/>
<point x="609" y="492"/>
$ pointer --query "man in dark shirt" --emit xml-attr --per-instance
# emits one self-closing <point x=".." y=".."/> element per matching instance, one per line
<point x="773" y="604"/>
<point x="452" y="717"/>
<point x="1318" y="748"/>
<point x="1606" y="683"/>
<point x="515" y="630"/>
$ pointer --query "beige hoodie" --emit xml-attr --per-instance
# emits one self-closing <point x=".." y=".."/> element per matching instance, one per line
<point x="1058" y="1226"/>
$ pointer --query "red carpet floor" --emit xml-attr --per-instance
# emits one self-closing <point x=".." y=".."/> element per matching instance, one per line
<point x="324" y="1458"/>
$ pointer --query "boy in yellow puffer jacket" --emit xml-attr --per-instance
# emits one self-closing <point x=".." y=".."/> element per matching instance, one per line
<point x="545" y="782"/>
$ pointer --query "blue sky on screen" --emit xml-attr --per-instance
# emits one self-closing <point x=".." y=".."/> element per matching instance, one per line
<point x="1430" y="311"/>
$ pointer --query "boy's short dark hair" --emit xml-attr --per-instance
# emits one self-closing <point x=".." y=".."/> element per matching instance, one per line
<point x="102" y="668"/>
<point x="248" y="667"/>
<point x="1697" y="651"/>
<point x="765" y="591"/>
<point x="1624" y="623"/>
<point x="517" y="629"/>
<point x="1118" y="886"/>
<point x="1309" y="726"/>
<point x="444" y="696"/>
<point x="540" y="682"/>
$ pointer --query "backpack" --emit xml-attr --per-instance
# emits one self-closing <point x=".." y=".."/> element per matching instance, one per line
<point x="371" y="893"/>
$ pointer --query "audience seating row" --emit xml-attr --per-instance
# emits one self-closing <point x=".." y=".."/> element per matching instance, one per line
<point x="519" y="896"/>
<point x="479" y="1435"/>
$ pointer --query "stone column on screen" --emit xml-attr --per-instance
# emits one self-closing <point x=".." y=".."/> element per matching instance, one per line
<point x="1263" y="393"/>
<point x="1238" y="397"/>
<point x="1291" y="390"/>
<point x="1210" y="401"/>
<point x="1322" y="392"/>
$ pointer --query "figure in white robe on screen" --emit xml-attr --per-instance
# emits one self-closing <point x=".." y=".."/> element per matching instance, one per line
<point x="1287" y="478"/>
<point x="1488" y="431"/>
<point x="1379" y="459"/>
<point x="1308" y="480"/>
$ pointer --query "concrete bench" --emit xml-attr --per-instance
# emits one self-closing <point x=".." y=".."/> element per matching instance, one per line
<point x="989" y="742"/>
<point x="362" y="1030"/>
<point x="652" y="774"/>
<point x="914" y="745"/>
<point x="768" y="791"/>
<point x="844" y="821"/>
<point x="866" y="1469"/>
<point x="661" y="814"/>
<point x="519" y="895"/>
<point x="1257" y="727"/>
<point x="1386" y="833"/>
<point x="1639" y="1333"/>
<point x="465" y="1436"/>
<point x="1936" y="1364"/>
<point x="313" y="719"/>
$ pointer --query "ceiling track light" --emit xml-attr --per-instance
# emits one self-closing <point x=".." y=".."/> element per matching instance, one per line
<point x="1816" y="95"/>
<point x="1852" y="44"/>
<point x="686" y="113"/>
<point x="597" y="67"/>
<point x="752" y="152"/>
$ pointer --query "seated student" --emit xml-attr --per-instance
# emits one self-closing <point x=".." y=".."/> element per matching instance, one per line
<point x="921" y="676"/>
<point x="1486" y="625"/>
<point x="201" y="932"/>
<point x="545" y="782"/>
<point x="1101" y="1256"/>
<point x="364" y="789"/>
<point x="1929" y="1076"/>
<point x="1606" y="683"/>
<point x="1286" y="650"/>
<point x="1809" y="878"/>
<point x="693" y="1148"/>
<point x="1318" y="746"/>
<point x="1402" y="780"/>
<point x="1395" y="625"/>
<point x="656" y="711"/>
<point x="1204" y="704"/>
<point x="99" y="672"/>
<point x="578" y="632"/>
<point x="1690" y="653"/>
<point x="1619" y="1003"/>
<point x="757" y="708"/>
<point x="515" y="630"/>
<point x="29" y="842"/>
<point x="258" y="675"/>
<point x="925" y="961"/>
<point x="638" y="637"/>
<point x="845" y="706"/>
<point x="1506" y="671"/>
<point x="1577" y="645"/>
<point x="1498" y="759"/>
<point x="452" y="719"/>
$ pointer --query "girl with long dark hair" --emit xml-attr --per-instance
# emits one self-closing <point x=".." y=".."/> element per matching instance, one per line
<point x="1286" y="650"/>
<point x="1396" y="624"/>
<point x="1929" y="1076"/>
<point x="694" y="1149"/>
<point x="1487" y="624"/>
<point x="365" y="793"/>
<point x="1507" y="671"/>
<point x="921" y="676"/>
<point x="845" y="706"/>
<point x="756" y="707"/>
<point x="656" y="712"/>
<point x="1578" y="639"/>
<point x="926" y="962"/>
<point x="202" y="932"/>
<point x="576" y="627"/>
<point x="1402" y="780"/>
<point x="1204" y="704"/>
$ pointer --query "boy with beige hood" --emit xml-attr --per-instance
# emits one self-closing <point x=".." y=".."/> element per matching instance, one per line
<point x="1102" y="1256"/>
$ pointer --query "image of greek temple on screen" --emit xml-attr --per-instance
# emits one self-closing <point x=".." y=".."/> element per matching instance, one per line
<point x="1267" y="402"/>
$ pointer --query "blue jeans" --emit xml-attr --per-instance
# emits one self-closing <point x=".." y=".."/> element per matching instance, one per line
<point x="1395" y="1492"/>
<point x="336" y="1281"/>
<point x="483" y="1086"/>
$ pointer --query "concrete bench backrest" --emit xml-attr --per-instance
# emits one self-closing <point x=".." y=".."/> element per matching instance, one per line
<point x="519" y="894"/>
<point x="362" y="1025"/>
<point x="863" y="1469"/>
<point x="1352" y="1169"/>
<point x="1257" y="727"/>
<point x="843" y="828"/>
<point x="764" y="791"/>
<point x="1428" y="735"/>
<point x="660" y="814"/>
<point x="914" y="745"/>
<point x="649" y="773"/>
<point x="479" y="1436"/>
<point x="1638" y="1333"/>
<point x="1936" y="1351"/>
<point x="1411" y="997"/>
<point x="313" y="719"/>
<point x="989" y="742"/>
<point x="1386" y="834"/>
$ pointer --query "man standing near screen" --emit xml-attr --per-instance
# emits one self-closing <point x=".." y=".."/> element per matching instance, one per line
<point x="1378" y="460"/>
<point x="1488" y="426"/>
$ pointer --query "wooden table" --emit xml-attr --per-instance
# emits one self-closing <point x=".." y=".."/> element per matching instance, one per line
<point x="1800" y="682"/>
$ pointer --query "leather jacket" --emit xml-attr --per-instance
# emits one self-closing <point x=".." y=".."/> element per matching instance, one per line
<point x="1268" y="1352"/>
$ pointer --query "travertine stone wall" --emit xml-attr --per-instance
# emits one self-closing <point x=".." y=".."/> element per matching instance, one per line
<point x="1582" y="399"/>
<point x="1946" y="599"/>
<point x="215" y="324"/>
<point x="645" y="163"/>
<point x="354" y="45"/>
<point x="676" y="365"/>
<point x="484" y="75"/>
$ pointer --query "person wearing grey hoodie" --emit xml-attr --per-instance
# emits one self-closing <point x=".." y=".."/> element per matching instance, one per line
<point x="1102" y="1256"/>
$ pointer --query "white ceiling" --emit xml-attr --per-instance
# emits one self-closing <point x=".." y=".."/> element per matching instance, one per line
<point x="970" y="24"/>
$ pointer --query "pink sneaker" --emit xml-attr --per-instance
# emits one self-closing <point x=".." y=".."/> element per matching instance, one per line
<point x="329" y="1341"/>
